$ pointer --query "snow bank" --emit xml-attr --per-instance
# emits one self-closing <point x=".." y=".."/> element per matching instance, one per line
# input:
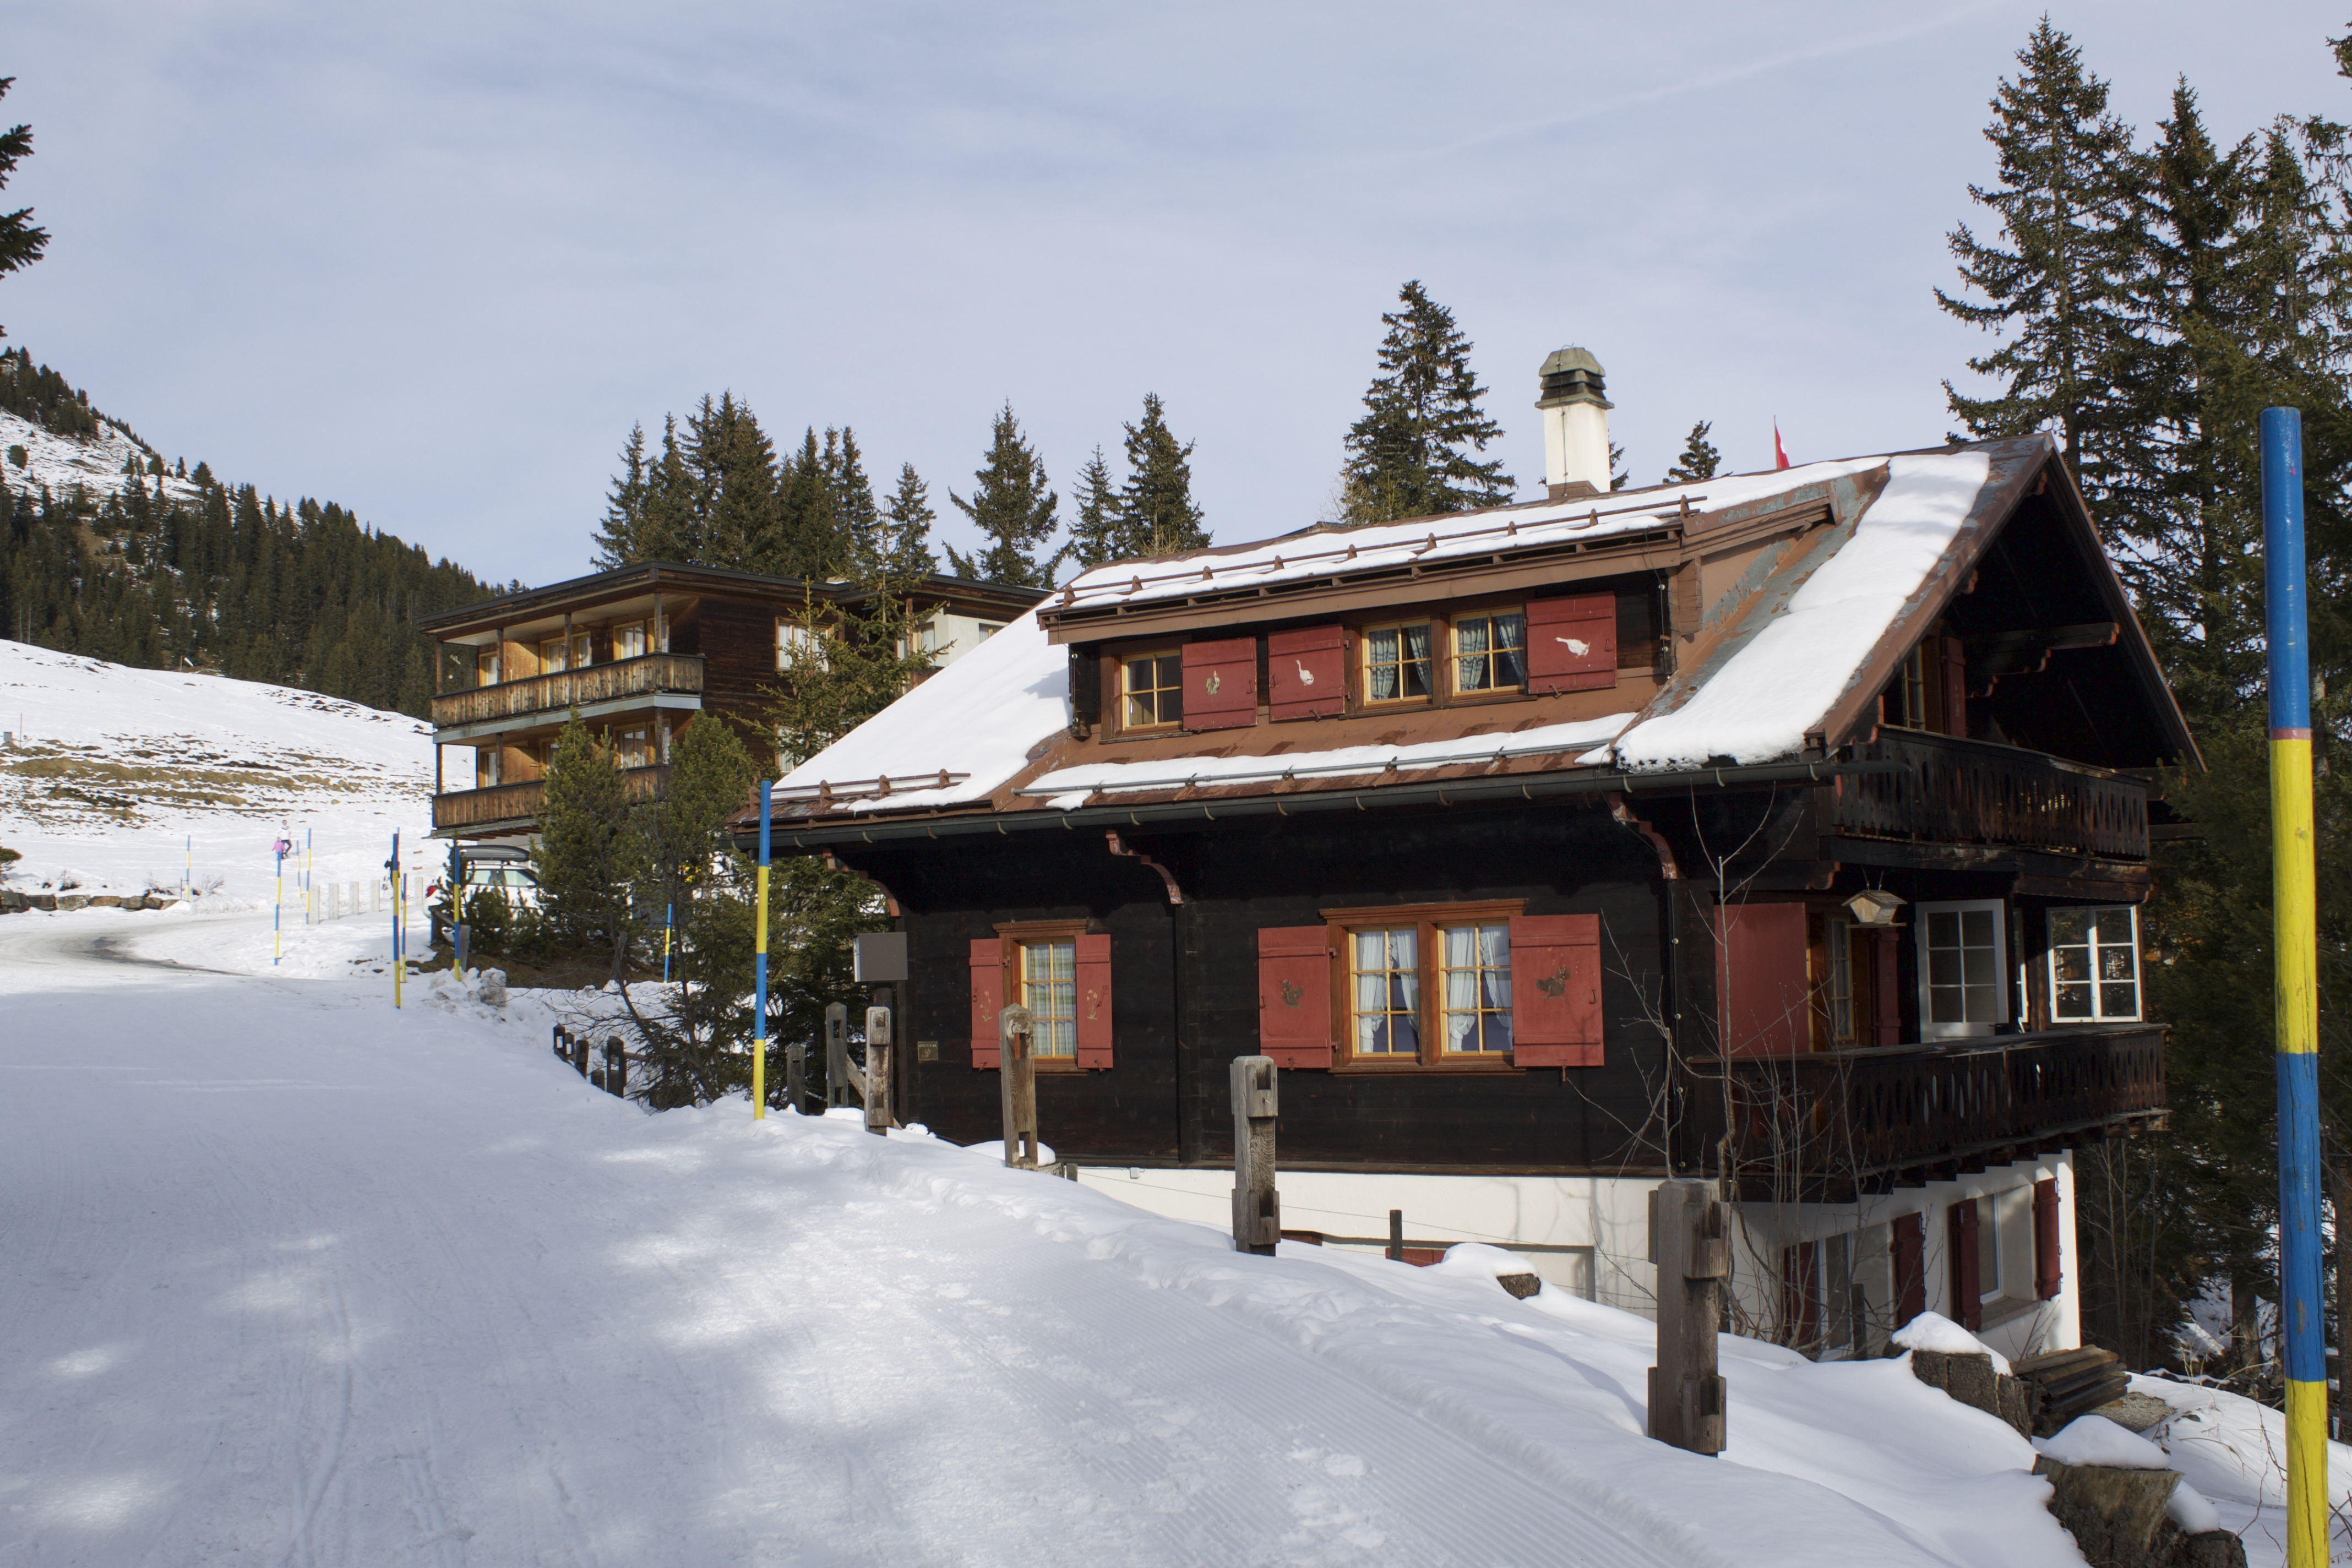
<point x="2095" y="1440"/>
<point x="1935" y="1331"/>
<point x="1757" y="704"/>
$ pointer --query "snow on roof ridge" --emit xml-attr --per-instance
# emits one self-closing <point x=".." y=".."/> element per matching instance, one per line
<point x="1758" y="703"/>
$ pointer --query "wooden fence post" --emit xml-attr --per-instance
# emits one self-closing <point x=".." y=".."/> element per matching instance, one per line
<point x="879" y="1120"/>
<point x="1396" y="1236"/>
<point x="796" y="1075"/>
<point x="1017" y="1073"/>
<point x="579" y="1054"/>
<point x="616" y="1066"/>
<point x="1689" y="1244"/>
<point x="836" y="1054"/>
<point x="1257" y="1207"/>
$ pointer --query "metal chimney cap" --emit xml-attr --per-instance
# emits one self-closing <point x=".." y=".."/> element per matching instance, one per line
<point x="1572" y="375"/>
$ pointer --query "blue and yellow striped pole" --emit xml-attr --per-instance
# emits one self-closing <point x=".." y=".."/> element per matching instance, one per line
<point x="759" y="973"/>
<point x="2296" y="912"/>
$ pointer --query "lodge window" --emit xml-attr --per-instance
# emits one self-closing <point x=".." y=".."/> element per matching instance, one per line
<point x="796" y="644"/>
<point x="1440" y="986"/>
<point x="2094" y="965"/>
<point x="1490" y="651"/>
<point x="1059" y="971"/>
<point x="990" y="628"/>
<point x="1906" y="706"/>
<point x="1961" y="957"/>
<point x="1824" y="1305"/>
<point x="1838" y="983"/>
<point x="634" y="748"/>
<point x="486" y="666"/>
<point x="486" y="767"/>
<point x="1396" y="663"/>
<point x="552" y="659"/>
<point x="629" y="640"/>
<point x="1384" y="985"/>
<point x="1154" y="684"/>
<point x="1049" y="984"/>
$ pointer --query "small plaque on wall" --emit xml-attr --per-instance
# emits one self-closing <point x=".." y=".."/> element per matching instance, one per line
<point x="927" y="1050"/>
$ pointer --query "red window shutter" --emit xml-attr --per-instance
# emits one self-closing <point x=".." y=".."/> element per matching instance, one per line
<point x="2049" y="1257"/>
<point x="1556" y="990"/>
<point x="1910" y="1267"/>
<point x="1307" y="673"/>
<point x="1093" y="1002"/>
<point x="1967" y="1293"/>
<point x="1765" y="990"/>
<point x="1221" y="684"/>
<point x="987" y="999"/>
<point x="1573" y="643"/>
<point x="1294" y="995"/>
<point x="1956" y="688"/>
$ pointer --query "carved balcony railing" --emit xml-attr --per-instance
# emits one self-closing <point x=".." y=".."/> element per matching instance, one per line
<point x="643" y="677"/>
<point x="511" y="807"/>
<point x="1824" y="1126"/>
<point x="1950" y="791"/>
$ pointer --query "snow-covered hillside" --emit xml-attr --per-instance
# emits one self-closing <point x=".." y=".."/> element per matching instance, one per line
<point x="62" y="462"/>
<point x="119" y="778"/>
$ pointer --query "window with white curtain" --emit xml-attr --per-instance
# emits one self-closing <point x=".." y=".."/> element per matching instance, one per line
<point x="1476" y="975"/>
<point x="2094" y="965"/>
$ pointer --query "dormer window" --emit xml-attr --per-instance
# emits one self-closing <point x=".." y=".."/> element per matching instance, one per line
<point x="1396" y="663"/>
<point x="1155" y="691"/>
<point x="1906" y="705"/>
<point x="1490" y="651"/>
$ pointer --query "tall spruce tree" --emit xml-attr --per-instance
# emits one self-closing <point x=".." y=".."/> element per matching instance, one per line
<point x="732" y="466"/>
<point x="1411" y="453"/>
<point x="21" y="241"/>
<point x="1700" y="459"/>
<point x="1097" y="536"/>
<point x="620" y="537"/>
<point x="591" y="851"/>
<point x="906" y="520"/>
<point x="1014" y="510"/>
<point x="2052" y="283"/>
<point x="1156" y="513"/>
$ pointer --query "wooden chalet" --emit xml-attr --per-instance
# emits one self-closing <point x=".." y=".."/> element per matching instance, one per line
<point x="1786" y="828"/>
<point x="638" y="652"/>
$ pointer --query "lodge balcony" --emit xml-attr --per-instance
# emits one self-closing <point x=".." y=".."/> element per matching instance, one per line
<point x="596" y="690"/>
<point x="1828" y="1126"/>
<point x="514" y="807"/>
<point x="1944" y="790"/>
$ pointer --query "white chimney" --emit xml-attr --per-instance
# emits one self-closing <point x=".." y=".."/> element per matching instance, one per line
<point x="1576" y="424"/>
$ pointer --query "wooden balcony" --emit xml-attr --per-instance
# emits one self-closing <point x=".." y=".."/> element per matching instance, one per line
<point x="1948" y="791"/>
<point x="653" y="674"/>
<point x="1825" y="1126"/>
<point x="514" y="808"/>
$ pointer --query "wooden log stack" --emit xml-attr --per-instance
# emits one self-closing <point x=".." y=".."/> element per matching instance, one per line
<point x="2073" y="1383"/>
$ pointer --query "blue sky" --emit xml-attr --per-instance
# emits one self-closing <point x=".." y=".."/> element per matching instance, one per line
<point x="433" y="261"/>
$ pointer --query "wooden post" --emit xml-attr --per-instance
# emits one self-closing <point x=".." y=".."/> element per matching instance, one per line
<point x="1257" y="1207"/>
<point x="836" y="1054"/>
<point x="878" y="1121"/>
<point x="616" y="1066"/>
<point x="579" y="1054"/>
<point x="796" y="1076"/>
<point x="1017" y="1076"/>
<point x="1396" y="1236"/>
<point x="1688" y="1244"/>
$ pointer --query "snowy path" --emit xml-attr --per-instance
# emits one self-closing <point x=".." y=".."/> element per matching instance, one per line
<point x="290" y="1279"/>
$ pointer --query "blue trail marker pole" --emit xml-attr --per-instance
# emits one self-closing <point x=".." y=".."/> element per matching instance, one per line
<point x="760" y="973"/>
<point x="277" y="908"/>
<point x="2295" y="1015"/>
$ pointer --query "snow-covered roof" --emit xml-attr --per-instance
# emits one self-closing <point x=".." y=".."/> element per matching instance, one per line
<point x="1797" y="646"/>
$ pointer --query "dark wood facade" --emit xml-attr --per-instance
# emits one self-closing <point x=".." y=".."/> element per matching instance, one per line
<point x="1990" y="762"/>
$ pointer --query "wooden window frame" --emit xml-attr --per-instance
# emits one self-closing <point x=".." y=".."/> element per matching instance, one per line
<point x="1427" y="920"/>
<point x="1011" y="935"/>
<point x="1120" y="703"/>
<point x="1453" y="622"/>
<point x="1433" y="623"/>
<point x="2049" y="967"/>
<point x="2004" y="1005"/>
<point x="644" y="635"/>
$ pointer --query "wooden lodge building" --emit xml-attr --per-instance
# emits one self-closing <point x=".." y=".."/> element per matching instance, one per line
<point x="1789" y="828"/>
<point x="639" y="651"/>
